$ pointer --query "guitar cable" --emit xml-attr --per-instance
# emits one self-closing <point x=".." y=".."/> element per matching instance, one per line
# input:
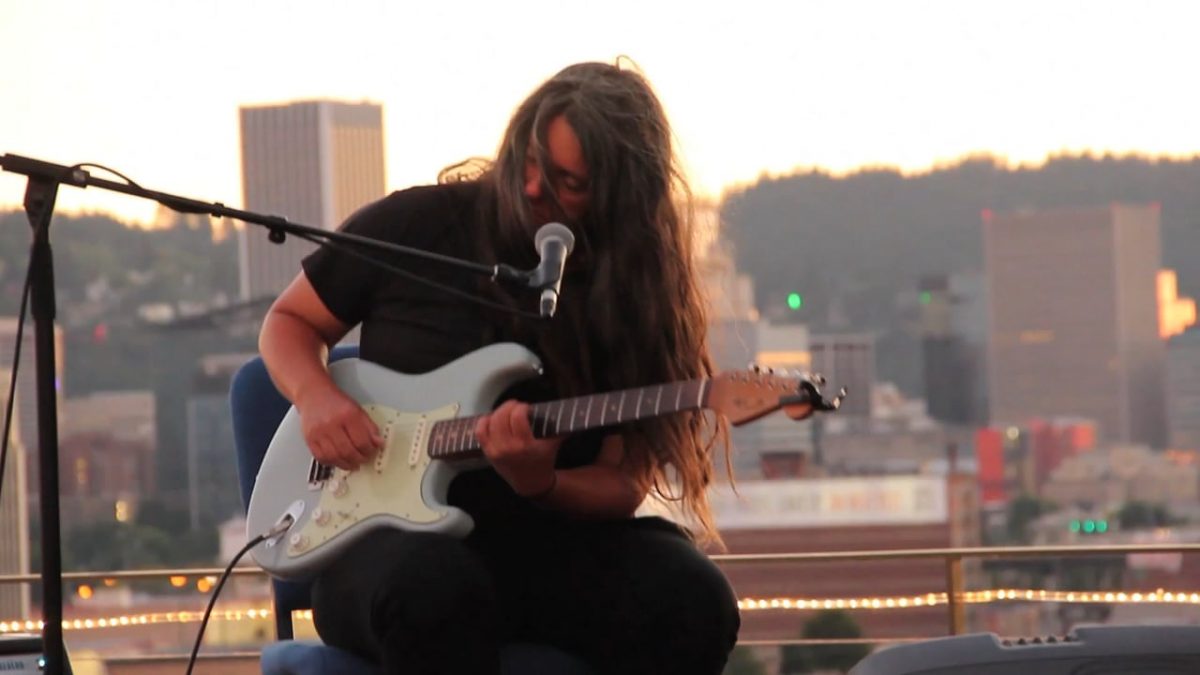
<point x="284" y="524"/>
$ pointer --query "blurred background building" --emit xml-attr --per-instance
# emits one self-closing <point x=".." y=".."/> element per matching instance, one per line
<point x="312" y="162"/>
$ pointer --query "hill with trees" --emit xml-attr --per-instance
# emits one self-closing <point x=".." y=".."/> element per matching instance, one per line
<point x="855" y="246"/>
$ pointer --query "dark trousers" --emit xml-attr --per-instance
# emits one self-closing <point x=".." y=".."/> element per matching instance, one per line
<point x="628" y="597"/>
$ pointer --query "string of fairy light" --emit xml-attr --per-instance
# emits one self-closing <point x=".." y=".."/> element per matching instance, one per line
<point x="1159" y="596"/>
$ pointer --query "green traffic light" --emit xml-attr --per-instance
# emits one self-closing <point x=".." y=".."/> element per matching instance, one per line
<point x="1074" y="525"/>
<point x="1089" y="526"/>
<point x="1102" y="526"/>
<point x="795" y="301"/>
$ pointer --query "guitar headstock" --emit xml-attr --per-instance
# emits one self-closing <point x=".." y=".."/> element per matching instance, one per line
<point x="746" y="395"/>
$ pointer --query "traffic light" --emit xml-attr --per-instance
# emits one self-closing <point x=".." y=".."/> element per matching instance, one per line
<point x="1089" y="526"/>
<point x="795" y="301"/>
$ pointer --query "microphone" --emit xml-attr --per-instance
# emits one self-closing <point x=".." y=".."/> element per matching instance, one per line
<point x="554" y="243"/>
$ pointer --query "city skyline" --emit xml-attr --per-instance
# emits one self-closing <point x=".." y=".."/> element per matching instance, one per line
<point x="765" y="90"/>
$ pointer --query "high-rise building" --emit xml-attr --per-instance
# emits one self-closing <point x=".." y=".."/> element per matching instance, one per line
<point x="14" y="522"/>
<point x="846" y="360"/>
<point x="25" y="413"/>
<point x="953" y="328"/>
<point x="1183" y="390"/>
<point x="213" y="494"/>
<point x="312" y="162"/>
<point x="1073" y="318"/>
<point x="106" y="456"/>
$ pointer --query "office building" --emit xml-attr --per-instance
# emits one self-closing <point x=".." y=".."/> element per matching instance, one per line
<point x="1073" y="318"/>
<point x="14" y="524"/>
<point x="313" y="163"/>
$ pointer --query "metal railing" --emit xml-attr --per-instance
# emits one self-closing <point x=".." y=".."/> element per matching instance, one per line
<point x="952" y="557"/>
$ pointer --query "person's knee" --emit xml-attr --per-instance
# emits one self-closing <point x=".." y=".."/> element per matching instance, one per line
<point x="432" y="579"/>
<point x="710" y="603"/>
<point x="695" y="602"/>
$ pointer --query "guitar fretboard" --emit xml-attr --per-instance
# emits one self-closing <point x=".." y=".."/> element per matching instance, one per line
<point x="455" y="439"/>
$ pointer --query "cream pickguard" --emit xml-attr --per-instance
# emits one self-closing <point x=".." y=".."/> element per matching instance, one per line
<point x="404" y="487"/>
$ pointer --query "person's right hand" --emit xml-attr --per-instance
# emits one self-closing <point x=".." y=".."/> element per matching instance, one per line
<point x="338" y="431"/>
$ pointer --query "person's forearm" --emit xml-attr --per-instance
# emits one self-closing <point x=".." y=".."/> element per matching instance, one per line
<point x="597" y="491"/>
<point x="294" y="353"/>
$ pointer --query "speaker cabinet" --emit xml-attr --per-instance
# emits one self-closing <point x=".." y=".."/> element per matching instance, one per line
<point x="1093" y="650"/>
<point x="22" y="653"/>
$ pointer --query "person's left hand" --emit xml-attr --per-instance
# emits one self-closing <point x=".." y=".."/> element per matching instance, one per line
<point x="506" y="436"/>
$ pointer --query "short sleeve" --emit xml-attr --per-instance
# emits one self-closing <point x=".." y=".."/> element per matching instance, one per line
<point x="345" y="282"/>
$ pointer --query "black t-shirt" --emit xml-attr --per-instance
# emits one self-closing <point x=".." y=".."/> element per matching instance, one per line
<point x="413" y="328"/>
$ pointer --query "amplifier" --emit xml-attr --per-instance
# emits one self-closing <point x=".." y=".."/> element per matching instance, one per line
<point x="22" y="653"/>
<point x="1092" y="650"/>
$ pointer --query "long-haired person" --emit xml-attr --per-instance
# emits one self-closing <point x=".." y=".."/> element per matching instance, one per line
<point x="556" y="556"/>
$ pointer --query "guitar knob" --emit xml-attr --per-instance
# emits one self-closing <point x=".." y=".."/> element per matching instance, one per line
<point x="320" y="516"/>
<point x="298" y="542"/>
<point x="338" y="487"/>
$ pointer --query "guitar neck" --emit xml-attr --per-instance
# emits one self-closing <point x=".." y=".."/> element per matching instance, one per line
<point x="455" y="438"/>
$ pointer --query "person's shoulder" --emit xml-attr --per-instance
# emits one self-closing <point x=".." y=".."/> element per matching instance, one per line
<point x="423" y="202"/>
<point x="414" y="206"/>
<point x="438" y="195"/>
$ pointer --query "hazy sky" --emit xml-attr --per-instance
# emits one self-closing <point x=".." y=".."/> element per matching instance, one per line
<point x="152" y="87"/>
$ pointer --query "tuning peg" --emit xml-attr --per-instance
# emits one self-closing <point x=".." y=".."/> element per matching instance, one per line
<point x="817" y="379"/>
<point x="836" y="403"/>
<point x="753" y="367"/>
<point x="809" y="393"/>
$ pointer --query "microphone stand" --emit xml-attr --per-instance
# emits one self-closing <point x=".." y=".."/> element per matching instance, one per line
<point x="40" y="195"/>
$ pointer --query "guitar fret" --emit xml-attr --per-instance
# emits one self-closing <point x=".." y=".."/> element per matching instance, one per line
<point x="456" y="439"/>
<point x="470" y="442"/>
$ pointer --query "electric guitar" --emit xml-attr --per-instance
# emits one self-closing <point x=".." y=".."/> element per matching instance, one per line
<point x="428" y="421"/>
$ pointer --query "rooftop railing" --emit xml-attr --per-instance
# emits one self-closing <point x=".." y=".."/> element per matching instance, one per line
<point x="953" y="595"/>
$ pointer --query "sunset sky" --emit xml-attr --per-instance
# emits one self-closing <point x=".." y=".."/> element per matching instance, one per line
<point x="152" y="88"/>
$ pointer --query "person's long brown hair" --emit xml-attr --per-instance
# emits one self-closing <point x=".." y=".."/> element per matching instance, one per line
<point x="631" y="312"/>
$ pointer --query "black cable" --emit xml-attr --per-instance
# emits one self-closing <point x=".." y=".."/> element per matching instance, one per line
<point x="12" y="382"/>
<point x="114" y="172"/>
<point x="276" y="531"/>
<point x="349" y="250"/>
